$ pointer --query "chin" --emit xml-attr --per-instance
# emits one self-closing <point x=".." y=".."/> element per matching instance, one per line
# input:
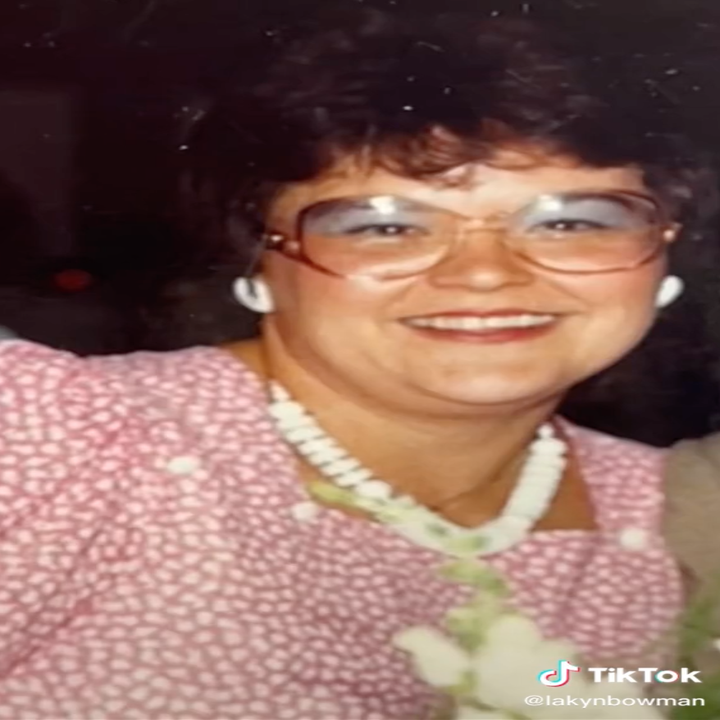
<point x="501" y="392"/>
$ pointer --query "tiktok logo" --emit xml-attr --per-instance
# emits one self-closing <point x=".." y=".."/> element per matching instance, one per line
<point x="559" y="677"/>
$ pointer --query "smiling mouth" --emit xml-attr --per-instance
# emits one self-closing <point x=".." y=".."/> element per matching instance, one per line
<point x="475" y="323"/>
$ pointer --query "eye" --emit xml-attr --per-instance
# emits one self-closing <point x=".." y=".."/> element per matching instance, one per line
<point x="385" y="230"/>
<point x="586" y="214"/>
<point x="568" y="225"/>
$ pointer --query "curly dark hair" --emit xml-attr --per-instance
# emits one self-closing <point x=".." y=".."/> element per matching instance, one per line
<point x="425" y="94"/>
<point x="420" y="96"/>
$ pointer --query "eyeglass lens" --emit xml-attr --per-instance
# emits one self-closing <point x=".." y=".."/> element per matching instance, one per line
<point x="390" y="235"/>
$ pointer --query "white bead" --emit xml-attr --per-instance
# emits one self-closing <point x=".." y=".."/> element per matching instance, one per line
<point x="540" y="466"/>
<point x="317" y="445"/>
<point x="354" y="477"/>
<point x="548" y="446"/>
<point x="287" y="424"/>
<point x="302" y="434"/>
<point x="541" y="477"/>
<point x="524" y="506"/>
<point x="287" y="410"/>
<point x="374" y="490"/>
<point x="278" y="392"/>
<point x="340" y="467"/>
<point x="546" y="457"/>
<point x="514" y="524"/>
<point x="506" y="533"/>
<point x="323" y="456"/>
<point x="545" y="461"/>
<point x="546" y="431"/>
<point x="535" y="488"/>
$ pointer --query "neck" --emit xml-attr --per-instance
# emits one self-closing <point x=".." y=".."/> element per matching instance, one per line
<point x="436" y="458"/>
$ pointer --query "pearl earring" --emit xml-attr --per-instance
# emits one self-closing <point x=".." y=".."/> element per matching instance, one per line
<point x="254" y="294"/>
<point x="670" y="290"/>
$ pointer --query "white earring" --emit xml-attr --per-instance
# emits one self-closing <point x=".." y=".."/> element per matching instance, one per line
<point x="670" y="290"/>
<point x="254" y="294"/>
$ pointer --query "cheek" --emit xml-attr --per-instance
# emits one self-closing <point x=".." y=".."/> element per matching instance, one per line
<point x="632" y="294"/>
<point x="310" y="298"/>
<point x="619" y="307"/>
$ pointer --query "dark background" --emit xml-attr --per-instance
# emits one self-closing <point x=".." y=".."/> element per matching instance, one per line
<point x="96" y="101"/>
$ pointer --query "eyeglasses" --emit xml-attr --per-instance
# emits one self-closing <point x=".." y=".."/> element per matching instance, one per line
<point x="388" y="237"/>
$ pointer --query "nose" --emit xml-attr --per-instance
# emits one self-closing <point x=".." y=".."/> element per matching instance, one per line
<point x="481" y="261"/>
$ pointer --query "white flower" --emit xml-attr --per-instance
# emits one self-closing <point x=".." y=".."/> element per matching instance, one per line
<point x="438" y="660"/>
<point x="513" y="627"/>
<point x="505" y="669"/>
<point x="507" y="665"/>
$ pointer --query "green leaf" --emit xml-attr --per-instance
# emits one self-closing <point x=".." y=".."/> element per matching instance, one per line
<point x="475" y="574"/>
<point x="696" y="628"/>
<point x="466" y="627"/>
<point x="332" y="494"/>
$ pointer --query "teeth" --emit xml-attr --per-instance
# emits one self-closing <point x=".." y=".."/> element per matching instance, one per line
<point x="481" y="323"/>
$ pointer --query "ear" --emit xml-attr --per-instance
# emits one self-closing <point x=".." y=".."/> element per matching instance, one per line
<point x="254" y="294"/>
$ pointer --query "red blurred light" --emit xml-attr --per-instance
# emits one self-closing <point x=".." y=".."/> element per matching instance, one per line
<point x="73" y="280"/>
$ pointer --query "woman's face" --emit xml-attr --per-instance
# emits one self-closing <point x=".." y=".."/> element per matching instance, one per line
<point x="358" y="333"/>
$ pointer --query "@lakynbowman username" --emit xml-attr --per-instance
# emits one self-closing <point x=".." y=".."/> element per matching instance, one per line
<point x="572" y="701"/>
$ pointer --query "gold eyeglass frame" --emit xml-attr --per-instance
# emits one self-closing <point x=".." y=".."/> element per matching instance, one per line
<point x="667" y="230"/>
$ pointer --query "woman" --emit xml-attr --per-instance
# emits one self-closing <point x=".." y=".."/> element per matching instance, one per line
<point x="445" y="231"/>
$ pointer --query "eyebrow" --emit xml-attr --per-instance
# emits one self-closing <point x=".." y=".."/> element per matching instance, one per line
<point x="365" y="202"/>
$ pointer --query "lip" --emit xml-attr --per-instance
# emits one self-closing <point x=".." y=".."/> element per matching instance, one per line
<point x="504" y="312"/>
<point x="487" y="336"/>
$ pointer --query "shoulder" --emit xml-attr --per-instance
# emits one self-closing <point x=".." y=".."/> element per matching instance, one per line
<point x="187" y="386"/>
<point x="25" y="367"/>
<point x="84" y="426"/>
<point x="59" y="421"/>
<point x="603" y="452"/>
<point x="24" y="364"/>
<point x="624" y="478"/>
<point x="43" y="387"/>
